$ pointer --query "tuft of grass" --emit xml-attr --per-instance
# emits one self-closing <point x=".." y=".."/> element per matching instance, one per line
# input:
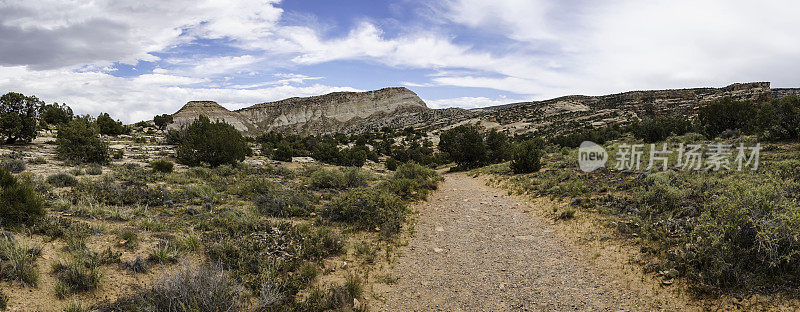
<point x="128" y="239"/>
<point x="76" y="306"/>
<point x="165" y="252"/>
<point x="17" y="263"/>
<point x="81" y="274"/>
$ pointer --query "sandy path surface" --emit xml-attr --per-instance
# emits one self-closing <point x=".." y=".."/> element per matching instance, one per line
<point x="475" y="249"/>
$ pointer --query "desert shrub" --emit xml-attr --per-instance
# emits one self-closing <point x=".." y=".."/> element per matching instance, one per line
<point x="203" y="288"/>
<point x="746" y="237"/>
<point x="412" y="181"/>
<point x="778" y="119"/>
<point x="212" y="143"/>
<point x="12" y="165"/>
<point x="659" y="129"/>
<point x="368" y="209"/>
<point x="721" y="115"/>
<point x="18" y="263"/>
<point x="78" y="142"/>
<point x="464" y="145"/>
<point x="527" y="156"/>
<point x="62" y="180"/>
<point x="162" y="165"/>
<point x="94" y="169"/>
<point x="342" y="178"/>
<point x="18" y="117"/>
<point x="283" y="152"/>
<point x="19" y="201"/>
<point x="117" y="154"/>
<point x="283" y="203"/>
<point x="108" y="126"/>
<point x="391" y="164"/>
<point x="37" y="161"/>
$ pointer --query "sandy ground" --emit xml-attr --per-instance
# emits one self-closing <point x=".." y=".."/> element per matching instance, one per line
<point x="478" y="249"/>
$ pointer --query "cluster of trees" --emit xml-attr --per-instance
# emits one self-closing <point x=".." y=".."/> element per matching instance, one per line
<point x="212" y="143"/>
<point x="469" y="148"/>
<point x="354" y="150"/>
<point x="21" y="117"/>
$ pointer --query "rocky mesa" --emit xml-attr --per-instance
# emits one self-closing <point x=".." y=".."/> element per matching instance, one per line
<point x="334" y="112"/>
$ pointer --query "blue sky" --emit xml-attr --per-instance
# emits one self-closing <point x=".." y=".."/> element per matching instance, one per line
<point x="136" y="59"/>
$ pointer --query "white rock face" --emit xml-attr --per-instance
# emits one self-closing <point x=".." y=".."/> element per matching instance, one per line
<point x="317" y="114"/>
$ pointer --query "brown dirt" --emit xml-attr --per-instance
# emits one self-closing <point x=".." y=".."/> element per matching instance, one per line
<point x="478" y="249"/>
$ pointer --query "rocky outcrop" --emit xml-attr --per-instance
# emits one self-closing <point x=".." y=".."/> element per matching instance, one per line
<point x="193" y="109"/>
<point x="334" y="112"/>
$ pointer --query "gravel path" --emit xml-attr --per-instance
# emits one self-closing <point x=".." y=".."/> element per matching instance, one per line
<point x="475" y="249"/>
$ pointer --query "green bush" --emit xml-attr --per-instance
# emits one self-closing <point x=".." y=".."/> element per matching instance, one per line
<point x="726" y="114"/>
<point x="19" y="201"/>
<point x="283" y="203"/>
<point x="391" y="164"/>
<point x="659" y="129"/>
<point x="13" y="165"/>
<point x="18" y="117"/>
<point x="370" y="209"/>
<point x="162" y="165"/>
<point x="77" y="141"/>
<point x="464" y="145"/>
<point x="62" y="180"/>
<point x="212" y="143"/>
<point x="343" y="178"/>
<point x="527" y="156"/>
<point x="412" y="181"/>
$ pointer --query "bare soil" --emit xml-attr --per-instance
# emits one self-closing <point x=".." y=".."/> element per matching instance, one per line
<point x="478" y="249"/>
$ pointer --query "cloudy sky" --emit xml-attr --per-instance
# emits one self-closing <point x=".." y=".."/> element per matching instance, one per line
<point x="135" y="58"/>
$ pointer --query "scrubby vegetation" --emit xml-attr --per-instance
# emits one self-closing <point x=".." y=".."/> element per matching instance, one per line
<point x="162" y="165"/>
<point x="18" y="117"/>
<point x="527" y="156"/>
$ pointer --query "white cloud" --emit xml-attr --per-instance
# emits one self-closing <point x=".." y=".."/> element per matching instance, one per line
<point x="139" y="98"/>
<point x="471" y="102"/>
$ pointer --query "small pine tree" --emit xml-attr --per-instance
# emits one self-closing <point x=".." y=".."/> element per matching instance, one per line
<point x="214" y="143"/>
<point x="77" y="141"/>
<point x="527" y="156"/>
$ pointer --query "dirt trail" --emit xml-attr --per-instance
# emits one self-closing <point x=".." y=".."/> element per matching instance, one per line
<point x="476" y="249"/>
